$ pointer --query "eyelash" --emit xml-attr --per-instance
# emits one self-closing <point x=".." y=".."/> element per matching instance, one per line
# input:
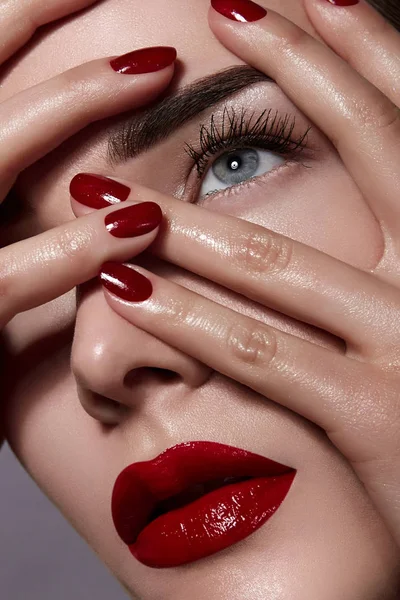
<point x="238" y="131"/>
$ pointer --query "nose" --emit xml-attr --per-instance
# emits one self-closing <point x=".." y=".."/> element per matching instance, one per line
<point x="118" y="366"/>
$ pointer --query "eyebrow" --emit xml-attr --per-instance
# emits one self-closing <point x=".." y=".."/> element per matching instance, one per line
<point x="137" y="131"/>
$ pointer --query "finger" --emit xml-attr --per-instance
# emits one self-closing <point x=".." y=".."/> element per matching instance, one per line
<point x="271" y="269"/>
<point x="352" y="402"/>
<point x="20" y="19"/>
<point x="361" y="122"/>
<point x="37" y="270"/>
<point x="360" y="35"/>
<point x="280" y="366"/>
<point x="37" y="120"/>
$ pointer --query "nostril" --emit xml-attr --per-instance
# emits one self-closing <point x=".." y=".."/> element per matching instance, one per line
<point x="150" y="373"/>
<point x="107" y="411"/>
<point x="165" y="374"/>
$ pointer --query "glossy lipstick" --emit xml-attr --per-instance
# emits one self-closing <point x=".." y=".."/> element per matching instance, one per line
<point x="194" y="500"/>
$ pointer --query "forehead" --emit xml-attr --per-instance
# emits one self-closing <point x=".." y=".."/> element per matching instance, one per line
<point x="113" y="27"/>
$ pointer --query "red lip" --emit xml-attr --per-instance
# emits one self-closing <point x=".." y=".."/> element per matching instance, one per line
<point x="166" y="517"/>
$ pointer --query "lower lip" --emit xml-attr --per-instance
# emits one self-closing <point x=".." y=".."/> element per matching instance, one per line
<point x="212" y="523"/>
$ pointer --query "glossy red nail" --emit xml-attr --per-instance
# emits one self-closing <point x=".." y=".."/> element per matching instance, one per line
<point x="97" y="191"/>
<point x="243" y="11"/>
<point x="135" y="220"/>
<point x="343" y="2"/>
<point x="126" y="283"/>
<point x="145" y="60"/>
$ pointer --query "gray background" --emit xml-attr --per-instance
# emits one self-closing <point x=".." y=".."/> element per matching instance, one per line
<point x="41" y="556"/>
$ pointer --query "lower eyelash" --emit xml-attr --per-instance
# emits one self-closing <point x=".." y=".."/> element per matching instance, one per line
<point x="269" y="131"/>
<point x="239" y="187"/>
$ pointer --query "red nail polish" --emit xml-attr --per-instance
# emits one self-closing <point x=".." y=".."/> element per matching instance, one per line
<point x="97" y="191"/>
<point x="126" y="283"/>
<point x="243" y="11"/>
<point x="343" y="2"/>
<point x="135" y="220"/>
<point x="145" y="60"/>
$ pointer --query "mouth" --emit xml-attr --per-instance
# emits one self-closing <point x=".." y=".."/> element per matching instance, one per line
<point x="194" y="500"/>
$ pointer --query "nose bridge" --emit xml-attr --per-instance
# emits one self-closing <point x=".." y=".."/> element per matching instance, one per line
<point x="107" y="351"/>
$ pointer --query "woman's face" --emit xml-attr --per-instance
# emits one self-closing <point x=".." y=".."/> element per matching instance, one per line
<point x="326" y="541"/>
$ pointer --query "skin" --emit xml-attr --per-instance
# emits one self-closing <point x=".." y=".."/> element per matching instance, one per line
<point x="62" y="404"/>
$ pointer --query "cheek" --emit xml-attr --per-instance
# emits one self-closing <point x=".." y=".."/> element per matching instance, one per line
<point x="57" y="442"/>
<point x="36" y="366"/>
<point x="62" y="448"/>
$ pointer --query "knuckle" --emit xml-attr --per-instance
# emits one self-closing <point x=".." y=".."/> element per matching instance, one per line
<point x="78" y="83"/>
<point x="70" y="244"/>
<point x="254" y="347"/>
<point x="181" y="311"/>
<point x="380" y="114"/>
<point x="7" y="289"/>
<point x="262" y="253"/>
<point x="72" y="81"/>
<point x="295" y="39"/>
<point x="389" y="120"/>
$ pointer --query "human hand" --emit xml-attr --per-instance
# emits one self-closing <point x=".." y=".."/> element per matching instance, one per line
<point x="353" y="395"/>
<point x="37" y="120"/>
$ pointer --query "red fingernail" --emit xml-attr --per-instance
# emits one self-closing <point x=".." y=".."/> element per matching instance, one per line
<point x="145" y="60"/>
<point x="135" y="220"/>
<point x="126" y="283"/>
<point x="343" y="2"/>
<point x="97" y="191"/>
<point x="243" y="11"/>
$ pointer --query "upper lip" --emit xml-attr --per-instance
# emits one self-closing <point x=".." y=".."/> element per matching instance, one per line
<point x="142" y="485"/>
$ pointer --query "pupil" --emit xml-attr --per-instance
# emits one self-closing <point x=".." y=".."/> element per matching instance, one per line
<point x="237" y="166"/>
<point x="235" y="163"/>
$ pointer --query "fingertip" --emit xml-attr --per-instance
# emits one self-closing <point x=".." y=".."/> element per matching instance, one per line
<point x="238" y="11"/>
<point x="90" y="192"/>
<point x="145" y="60"/>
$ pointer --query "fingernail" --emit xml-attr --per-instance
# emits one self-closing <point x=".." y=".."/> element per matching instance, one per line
<point x="243" y="11"/>
<point x="145" y="60"/>
<point x="135" y="220"/>
<point x="343" y="2"/>
<point x="126" y="283"/>
<point x="97" y="191"/>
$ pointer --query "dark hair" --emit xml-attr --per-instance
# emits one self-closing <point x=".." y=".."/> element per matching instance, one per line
<point x="389" y="9"/>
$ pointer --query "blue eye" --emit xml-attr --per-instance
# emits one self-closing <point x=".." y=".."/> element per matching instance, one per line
<point x="237" y="166"/>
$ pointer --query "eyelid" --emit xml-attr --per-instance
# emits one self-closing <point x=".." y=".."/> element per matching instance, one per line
<point x="239" y="188"/>
<point x="252" y="163"/>
<point x="273" y="132"/>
